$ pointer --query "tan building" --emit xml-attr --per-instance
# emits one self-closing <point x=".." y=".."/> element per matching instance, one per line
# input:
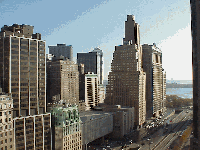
<point x="155" y="80"/>
<point x="22" y="69"/>
<point x="101" y="93"/>
<point x="67" y="133"/>
<point x="33" y="132"/>
<point x="62" y="81"/>
<point x="91" y="90"/>
<point x="126" y="81"/>
<point x="6" y="122"/>
<point x="123" y="119"/>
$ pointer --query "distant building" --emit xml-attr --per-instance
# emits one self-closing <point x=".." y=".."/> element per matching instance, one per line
<point x="6" y="121"/>
<point x="155" y="80"/>
<point x="66" y="128"/>
<point x="62" y="49"/>
<point x="62" y="81"/>
<point x="127" y="80"/>
<point x="91" y="90"/>
<point x="93" y="62"/>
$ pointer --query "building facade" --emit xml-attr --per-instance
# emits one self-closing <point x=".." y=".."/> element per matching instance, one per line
<point x="66" y="128"/>
<point x="95" y="124"/>
<point x="6" y="122"/>
<point x="155" y="80"/>
<point x="126" y="81"/>
<point x="23" y="74"/>
<point x="91" y="90"/>
<point x="33" y="132"/>
<point x="22" y="69"/>
<point x="62" y="81"/>
<point x="62" y="50"/>
<point x="93" y="62"/>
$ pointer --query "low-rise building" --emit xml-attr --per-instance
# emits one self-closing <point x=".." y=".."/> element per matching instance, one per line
<point x="6" y="122"/>
<point x="66" y="127"/>
<point x="33" y="132"/>
<point x="95" y="124"/>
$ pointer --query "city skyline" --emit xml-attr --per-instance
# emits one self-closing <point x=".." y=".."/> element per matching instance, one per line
<point x="94" y="25"/>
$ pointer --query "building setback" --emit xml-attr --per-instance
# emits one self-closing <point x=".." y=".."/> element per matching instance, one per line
<point x="93" y="62"/>
<point x="62" y="50"/>
<point x="155" y="81"/>
<point x="127" y="81"/>
<point x="6" y="122"/>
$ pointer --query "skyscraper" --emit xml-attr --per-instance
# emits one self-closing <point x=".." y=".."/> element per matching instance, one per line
<point x="195" y="25"/>
<point x="62" y="49"/>
<point x="93" y="62"/>
<point x="22" y="69"/>
<point x="23" y="74"/>
<point x="63" y="81"/>
<point x="127" y="81"/>
<point x="152" y="65"/>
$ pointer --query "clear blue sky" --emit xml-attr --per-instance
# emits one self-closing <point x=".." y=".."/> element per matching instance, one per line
<point x="91" y="23"/>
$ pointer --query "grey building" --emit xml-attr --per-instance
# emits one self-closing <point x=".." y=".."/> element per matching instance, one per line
<point x="62" y="49"/>
<point x="93" y="62"/>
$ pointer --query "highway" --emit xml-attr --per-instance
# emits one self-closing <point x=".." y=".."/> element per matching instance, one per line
<point x="160" y="140"/>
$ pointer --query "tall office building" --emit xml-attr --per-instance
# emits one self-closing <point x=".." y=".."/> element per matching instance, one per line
<point x="155" y="83"/>
<point x="22" y="69"/>
<point x="93" y="62"/>
<point x="195" y="25"/>
<point x="127" y="81"/>
<point x="62" y="81"/>
<point x="62" y="49"/>
<point x="23" y="74"/>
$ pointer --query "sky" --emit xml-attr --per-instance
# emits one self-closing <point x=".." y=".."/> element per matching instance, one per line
<point x="101" y="23"/>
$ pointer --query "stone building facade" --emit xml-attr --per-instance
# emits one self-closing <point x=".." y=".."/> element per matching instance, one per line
<point x="62" y="81"/>
<point x="66" y="128"/>
<point x="126" y="81"/>
<point x="155" y="80"/>
<point x="6" y="122"/>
